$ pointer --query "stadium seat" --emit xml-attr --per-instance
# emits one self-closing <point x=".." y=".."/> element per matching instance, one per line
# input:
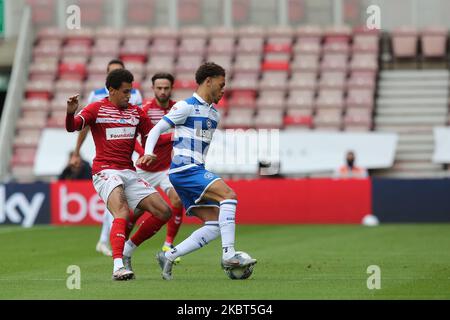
<point x="68" y="87"/>
<point x="308" y="46"/>
<point x="72" y="71"/>
<point x="334" y="61"/>
<point x="368" y="43"/>
<point x="244" y="81"/>
<point x="357" y="119"/>
<point x="188" y="63"/>
<point x="271" y="100"/>
<point x="362" y="79"/>
<point x="298" y="119"/>
<point x="26" y="138"/>
<point x="250" y="45"/>
<point x="309" y="32"/>
<point x="160" y="63"/>
<point x="242" y="99"/>
<point x="275" y="66"/>
<point x="35" y="105"/>
<point x="328" y="119"/>
<point x="247" y="63"/>
<point x="404" y="42"/>
<point x="305" y="62"/>
<point x="139" y="33"/>
<point x="364" y="62"/>
<point x="224" y="60"/>
<point x="269" y="119"/>
<point x="360" y="98"/>
<point x="301" y="99"/>
<point x="329" y="98"/>
<point x="23" y="156"/>
<point x="332" y="80"/>
<point x="39" y="89"/>
<point x="192" y="46"/>
<point x="273" y="80"/>
<point x="221" y="45"/>
<point x="302" y="80"/>
<point x="434" y="42"/>
<point x="239" y="118"/>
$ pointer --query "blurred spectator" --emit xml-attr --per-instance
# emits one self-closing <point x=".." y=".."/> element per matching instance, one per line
<point x="349" y="169"/>
<point x="76" y="169"/>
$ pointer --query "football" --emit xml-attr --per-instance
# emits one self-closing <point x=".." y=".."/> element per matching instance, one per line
<point x="240" y="273"/>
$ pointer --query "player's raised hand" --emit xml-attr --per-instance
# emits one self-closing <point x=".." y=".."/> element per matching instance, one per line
<point x="146" y="159"/>
<point x="72" y="104"/>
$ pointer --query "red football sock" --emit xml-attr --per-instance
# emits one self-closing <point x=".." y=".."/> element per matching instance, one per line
<point x="174" y="224"/>
<point x="148" y="227"/>
<point x="117" y="237"/>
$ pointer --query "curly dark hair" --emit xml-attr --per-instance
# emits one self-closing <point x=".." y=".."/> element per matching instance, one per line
<point x="116" y="77"/>
<point x="163" y="75"/>
<point x="208" y="69"/>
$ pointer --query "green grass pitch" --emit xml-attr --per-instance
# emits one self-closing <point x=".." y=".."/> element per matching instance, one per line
<point x="294" y="262"/>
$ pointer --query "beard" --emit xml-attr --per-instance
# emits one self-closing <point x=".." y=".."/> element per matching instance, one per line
<point x="163" y="100"/>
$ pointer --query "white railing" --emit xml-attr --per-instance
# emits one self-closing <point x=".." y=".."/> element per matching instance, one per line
<point x="14" y="95"/>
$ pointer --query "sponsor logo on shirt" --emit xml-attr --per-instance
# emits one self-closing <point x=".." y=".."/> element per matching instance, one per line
<point x="120" y="133"/>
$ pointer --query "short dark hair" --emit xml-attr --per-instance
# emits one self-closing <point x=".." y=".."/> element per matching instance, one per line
<point x="208" y="69"/>
<point x="116" y="77"/>
<point x="115" y="61"/>
<point x="163" y="75"/>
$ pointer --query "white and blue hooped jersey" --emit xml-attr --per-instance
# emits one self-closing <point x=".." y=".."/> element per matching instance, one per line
<point x="195" y="122"/>
<point x="99" y="94"/>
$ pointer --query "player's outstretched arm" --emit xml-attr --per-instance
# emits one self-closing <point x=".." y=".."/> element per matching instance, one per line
<point x="152" y="139"/>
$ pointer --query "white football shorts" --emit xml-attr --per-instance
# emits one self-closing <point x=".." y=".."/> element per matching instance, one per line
<point x="156" y="179"/>
<point x="135" y="187"/>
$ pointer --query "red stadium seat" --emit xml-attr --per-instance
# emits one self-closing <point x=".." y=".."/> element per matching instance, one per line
<point x="77" y="70"/>
<point x="275" y="66"/>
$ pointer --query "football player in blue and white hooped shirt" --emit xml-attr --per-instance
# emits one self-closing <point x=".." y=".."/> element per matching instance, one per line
<point x="97" y="95"/>
<point x="203" y="193"/>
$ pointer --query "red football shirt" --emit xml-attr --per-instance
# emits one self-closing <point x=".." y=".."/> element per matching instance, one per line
<point x="114" y="131"/>
<point x="163" y="148"/>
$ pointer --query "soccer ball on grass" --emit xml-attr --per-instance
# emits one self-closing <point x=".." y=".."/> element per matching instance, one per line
<point x="240" y="273"/>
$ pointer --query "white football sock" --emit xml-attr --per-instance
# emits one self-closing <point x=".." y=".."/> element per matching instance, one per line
<point x="227" y="225"/>
<point x="106" y="227"/>
<point x="129" y="248"/>
<point x="196" y="240"/>
<point x="118" y="263"/>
